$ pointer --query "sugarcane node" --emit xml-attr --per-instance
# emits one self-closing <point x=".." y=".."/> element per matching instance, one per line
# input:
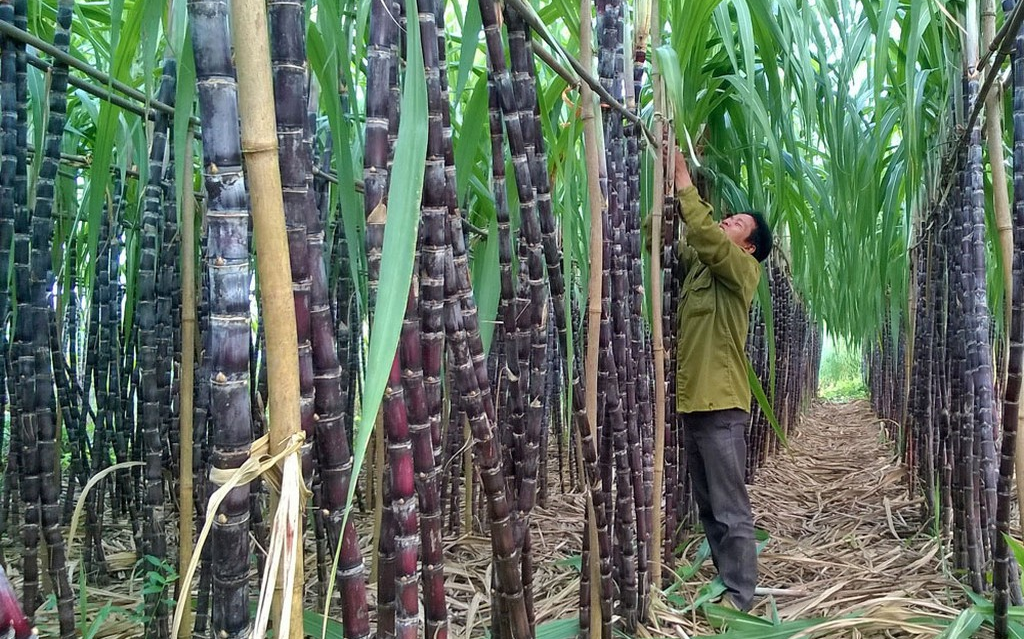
<point x="379" y="214"/>
<point x="220" y="378"/>
<point x="212" y="169"/>
<point x="222" y="518"/>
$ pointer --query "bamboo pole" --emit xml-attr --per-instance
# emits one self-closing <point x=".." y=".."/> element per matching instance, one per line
<point x="657" y="328"/>
<point x="259" y="149"/>
<point x="592" y="146"/>
<point x="188" y="341"/>
<point x="1000" y="194"/>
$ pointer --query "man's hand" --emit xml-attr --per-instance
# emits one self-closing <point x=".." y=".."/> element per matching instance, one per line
<point x="683" y="179"/>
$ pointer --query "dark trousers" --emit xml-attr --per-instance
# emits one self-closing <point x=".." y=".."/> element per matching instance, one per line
<point x="716" y="455"/>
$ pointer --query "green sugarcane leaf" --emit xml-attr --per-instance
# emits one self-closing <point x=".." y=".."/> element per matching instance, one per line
<point x="764" y="298"/>
<point x="469" y="148"/>
<point x="745" y="626"/>
<point x="471" y="28"/>
<point x="1017" y="547"/>
<point x="965" y="625"/>
<point x="487" y="282"/>
<point x="142" y="17"/>
<point x="325" y="61"/>
<point x="315" y="624"/>
<point x="559" y="629"/>
<point x="766" y="406"/>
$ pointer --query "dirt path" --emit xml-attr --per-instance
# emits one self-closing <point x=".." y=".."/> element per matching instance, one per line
<point x="843" y="533"/>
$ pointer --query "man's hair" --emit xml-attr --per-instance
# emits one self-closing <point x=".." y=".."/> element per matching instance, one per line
<point x="761" y="236"/>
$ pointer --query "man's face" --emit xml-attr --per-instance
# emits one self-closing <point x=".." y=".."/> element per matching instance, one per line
<point x="738" y="229"/>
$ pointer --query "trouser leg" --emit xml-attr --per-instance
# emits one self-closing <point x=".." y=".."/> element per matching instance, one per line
<point x="713" y="530"/>
<point x="716" y="452"/>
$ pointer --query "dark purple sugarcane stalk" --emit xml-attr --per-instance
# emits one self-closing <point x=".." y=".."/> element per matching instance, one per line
<point x="116" y="419"/>
<point x="21" y="217"/>
<point x="963" y="390"/>
<point x="434" y="245"/>
<point x="9" y="132"/>
<point x="488" y="462"/>
<point x="642" y="359"/>
<point x="509" y="303"/>
<point x="979" y="391"/>
<point x="168" y="290"/>
<point x="36" y="403"/>
<point x="423" y="349"/>
<point x="670" y="299"/>
<point x="286" y="22"/>
<point x="377" y="148"/>
<point x="979" y="347"/>
<point x="102" y="335"/>
<point x="22" y="465"/>
<point x="457" y="484"/>
<point x="332" y="414"/>
<point x="535" y="317"/>
<point x="628" y="477"/>
<point x="509" y="309"/>
<point x="473" y="383"/>
<point x="917" y="415"/>
<point x="68" y="405"/>
<point x="151" y="387"/>
<point x="381" y="121"/>
<point x="227" y="255"/>
<point x="404" y="544"/>
<point x="428" y="492"/>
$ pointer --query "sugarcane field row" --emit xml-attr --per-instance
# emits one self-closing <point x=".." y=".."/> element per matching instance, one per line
<point x="397" y="319"/>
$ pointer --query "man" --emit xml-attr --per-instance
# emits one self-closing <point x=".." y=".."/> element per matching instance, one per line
<point x="720" y="274"/>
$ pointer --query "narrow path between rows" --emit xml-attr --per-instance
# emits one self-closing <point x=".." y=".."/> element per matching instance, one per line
<point x="845" y="537"/>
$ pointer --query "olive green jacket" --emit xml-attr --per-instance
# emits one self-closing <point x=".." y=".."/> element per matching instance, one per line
<point x="718" y="286"/>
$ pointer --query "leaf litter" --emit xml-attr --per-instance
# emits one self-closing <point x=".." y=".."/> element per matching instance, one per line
<point x="847" y="546"/>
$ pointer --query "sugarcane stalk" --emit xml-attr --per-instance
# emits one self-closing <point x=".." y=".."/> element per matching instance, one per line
<point x="422" y="355"/>
<point x="979" y="350"/>
<point x="8" y="168"/>
<point x="226" y="364"/>
<point x="286" y="21"/>
<point x="152" y="391"/>
<point x="34" y="279"/>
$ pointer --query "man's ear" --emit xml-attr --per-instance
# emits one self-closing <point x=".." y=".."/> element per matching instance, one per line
<point x="749" y="248"/>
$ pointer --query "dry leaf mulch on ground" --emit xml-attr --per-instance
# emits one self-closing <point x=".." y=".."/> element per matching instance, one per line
<point x="844" y="538"/>
<point x="844" y="534"/>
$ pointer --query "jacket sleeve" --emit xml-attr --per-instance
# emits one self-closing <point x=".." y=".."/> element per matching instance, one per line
<point x="728" y="262"/>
